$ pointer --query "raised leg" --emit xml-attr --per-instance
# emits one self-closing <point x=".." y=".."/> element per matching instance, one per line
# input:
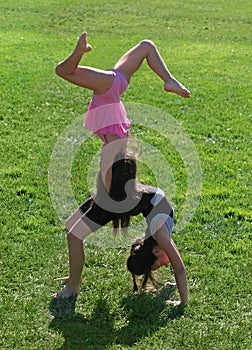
<point x="131" y="61"/>
<point x="91" y="78"/>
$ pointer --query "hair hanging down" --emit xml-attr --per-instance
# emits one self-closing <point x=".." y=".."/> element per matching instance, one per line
<point x="123" y="170"/>
<point x="123" y="173"/>
<point x="141" y="260"/>
<point x="123" y="184"/>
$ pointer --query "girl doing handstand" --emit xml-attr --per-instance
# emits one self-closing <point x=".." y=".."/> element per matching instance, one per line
<point x="106" y="114"/>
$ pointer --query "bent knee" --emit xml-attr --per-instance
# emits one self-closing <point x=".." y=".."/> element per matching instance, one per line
<point x="71" y="221"/>
<point x="68" y="227"/>
<point x="148" y="43"/>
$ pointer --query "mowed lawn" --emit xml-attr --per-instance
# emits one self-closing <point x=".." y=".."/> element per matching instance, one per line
<point x="207" y="46"/>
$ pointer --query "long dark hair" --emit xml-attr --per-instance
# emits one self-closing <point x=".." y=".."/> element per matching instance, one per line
<point x="141" y="260"/>
<point x="123" y="184"/>
<point x="124" y="169"/>
<point x="123" y="173"/>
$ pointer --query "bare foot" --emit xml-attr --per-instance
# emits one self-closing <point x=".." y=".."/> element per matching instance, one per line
<point x="68" y="290"/>
<point x="83" y="44"/>
<point x="65" y="293"/>
<point x="173" y="302"/>
<point x="176" y="87"/>
<point x="63" y="279"/>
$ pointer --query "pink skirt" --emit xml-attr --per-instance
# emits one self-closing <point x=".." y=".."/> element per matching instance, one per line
<point x="108" y="119"/>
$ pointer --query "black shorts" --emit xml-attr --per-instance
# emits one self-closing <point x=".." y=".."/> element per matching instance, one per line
<point x="94" y="216"/>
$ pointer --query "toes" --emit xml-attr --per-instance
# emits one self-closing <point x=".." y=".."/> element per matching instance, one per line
<point x="177" y="88"/>
<point x="63" y="279"/>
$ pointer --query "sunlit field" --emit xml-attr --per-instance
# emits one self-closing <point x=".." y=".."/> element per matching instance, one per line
<point x="207" y="46"/>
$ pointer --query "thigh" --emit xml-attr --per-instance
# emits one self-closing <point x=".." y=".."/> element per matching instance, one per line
<point x="80" y="229"/>
<point x="130" y="62"/>
<point x="92" y="78"/>
<point x="72" y="220"/>
<point x="111" y="137"/>
<point x="84" y="207"/>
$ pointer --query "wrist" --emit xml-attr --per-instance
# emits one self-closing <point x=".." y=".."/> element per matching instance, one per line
<point x="184" y="301"/>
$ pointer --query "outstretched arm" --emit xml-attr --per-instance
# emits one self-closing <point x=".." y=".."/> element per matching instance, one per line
<point x="165" y="242"/>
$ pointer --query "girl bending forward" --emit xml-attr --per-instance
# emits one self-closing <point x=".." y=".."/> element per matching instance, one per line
<point x="126" y="198"/>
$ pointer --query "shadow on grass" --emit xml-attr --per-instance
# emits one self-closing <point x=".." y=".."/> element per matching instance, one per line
<point x="143" y="314"/>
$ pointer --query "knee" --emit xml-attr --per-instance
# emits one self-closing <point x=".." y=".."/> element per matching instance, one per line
<point x="148" y="44"/>
<point x="67" y="226"/>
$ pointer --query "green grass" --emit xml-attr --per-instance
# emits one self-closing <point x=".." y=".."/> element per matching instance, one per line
<point x="208" y="47"/>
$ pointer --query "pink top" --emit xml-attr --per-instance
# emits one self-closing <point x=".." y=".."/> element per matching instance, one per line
<point x="106" y="113"/>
